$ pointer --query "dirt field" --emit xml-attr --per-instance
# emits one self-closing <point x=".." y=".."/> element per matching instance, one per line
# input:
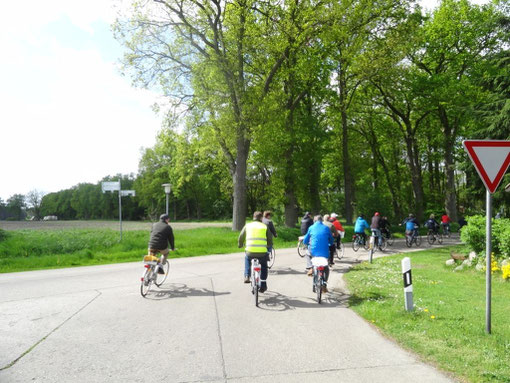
<point x="126" y="225"/>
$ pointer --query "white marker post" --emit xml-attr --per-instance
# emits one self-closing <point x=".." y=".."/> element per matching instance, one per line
<point x="408" y="283"/>
<point x="491" y="159"/>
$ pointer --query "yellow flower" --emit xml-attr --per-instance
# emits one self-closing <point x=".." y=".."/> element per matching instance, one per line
<point x="432" y="317"/>
<point x="426" y="310"/>
<point x="506" y="271"/>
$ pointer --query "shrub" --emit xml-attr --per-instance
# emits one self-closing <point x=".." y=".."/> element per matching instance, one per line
<point x="474" y="236"/>
<point x="3" y="235"/>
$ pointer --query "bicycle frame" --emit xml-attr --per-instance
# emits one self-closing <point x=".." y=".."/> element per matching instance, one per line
<point x="256" y="269"/>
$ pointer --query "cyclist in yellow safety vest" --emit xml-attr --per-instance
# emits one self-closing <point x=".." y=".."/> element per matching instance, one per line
<point x="256" y="236"/>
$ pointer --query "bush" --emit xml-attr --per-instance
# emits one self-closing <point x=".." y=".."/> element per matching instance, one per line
<point x="3" y="235"/>
<point x="474" y="236"/>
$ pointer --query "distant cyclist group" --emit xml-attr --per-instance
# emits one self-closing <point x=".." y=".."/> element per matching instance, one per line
<point x="321" y="234"/>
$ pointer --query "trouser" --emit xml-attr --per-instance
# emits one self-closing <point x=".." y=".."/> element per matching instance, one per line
<point x="164" y="254"/>
<point x="377" y="233"/>
<point x="247" y="263"/>
<point x="331" y="254"/>
<point x="337" y="240"/>
<point x="263" y="268"/>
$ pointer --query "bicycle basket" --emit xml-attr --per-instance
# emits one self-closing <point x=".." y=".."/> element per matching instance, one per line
<point x="319" y="261"/>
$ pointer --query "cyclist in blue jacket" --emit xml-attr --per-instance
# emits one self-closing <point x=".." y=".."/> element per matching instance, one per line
<point x="411" y="224"/>
<point x="360" y="226"/>
<point x="319" y="239"/>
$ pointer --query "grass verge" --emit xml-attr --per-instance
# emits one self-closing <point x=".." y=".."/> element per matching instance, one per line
<point x="447" y="327"/>
<point x="23" y="250"/>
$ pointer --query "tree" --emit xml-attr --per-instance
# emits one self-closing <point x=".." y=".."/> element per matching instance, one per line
<point x="16" y="207"/>
<point x="34" y="201"/>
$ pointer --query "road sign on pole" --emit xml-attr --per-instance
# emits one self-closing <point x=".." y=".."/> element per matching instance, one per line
<point x="491" y="159"/>
<point x="115" y="186"/>
<point x="110" y="186"/>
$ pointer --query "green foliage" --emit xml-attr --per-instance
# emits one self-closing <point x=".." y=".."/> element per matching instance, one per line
<point x="3" y="235"/>
<point x="474" y="235"/>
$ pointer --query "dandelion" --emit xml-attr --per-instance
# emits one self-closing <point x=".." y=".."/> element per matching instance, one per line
<point x="426" y="310"/>
<point x="432" y="317"/>
<point x="506" y="271"/>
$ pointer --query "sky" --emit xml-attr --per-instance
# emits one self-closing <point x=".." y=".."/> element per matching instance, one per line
<point x="67" y="115"/>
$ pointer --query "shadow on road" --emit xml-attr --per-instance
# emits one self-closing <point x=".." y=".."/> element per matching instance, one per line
<point x="181" y="290"/>
<point x="274" y="301"/>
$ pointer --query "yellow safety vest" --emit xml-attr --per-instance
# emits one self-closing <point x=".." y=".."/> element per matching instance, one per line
<point x="256" y="239"/>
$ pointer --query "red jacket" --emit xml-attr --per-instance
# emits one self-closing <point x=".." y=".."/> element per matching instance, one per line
<point x="337" y="224"/>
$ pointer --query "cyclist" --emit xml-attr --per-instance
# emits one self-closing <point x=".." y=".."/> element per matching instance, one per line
<point x="360" y="226"/>
<point x="411" y="225"/>
<point x="306" y="222"/>
<point x="335" y="234"/>
<point x="257" y="238"/>
<point x="161" y="235"/>
<point x="375" y="228"/>
<point x="272" y="231"/>
<point x="445" y="222"/>
<point x="319" y="239"/>
<point x="384" y="225"/>
<point x="432" y="224"/>
<point x="338" y="227"/>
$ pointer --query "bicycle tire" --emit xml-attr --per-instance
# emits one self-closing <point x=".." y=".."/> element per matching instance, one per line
<point x="390" y="239"/>
<point x="366" y="245"/>
<point x="145" y="286"/>
<point x="339" y="254"/>
<point x="384" y="244"/>
<point x="417" y="240"/>
<point x="409" y="241"/>
<point x="431" y="238"/>
<point x="440" y="239"/>
<point x="318" y="289"/>
<point x="371" y="255"/>
<point x="355" y="244"/>
<point x="161" y="278"/>
<point x="301" y="248"/>
<point x="271" y="257"/>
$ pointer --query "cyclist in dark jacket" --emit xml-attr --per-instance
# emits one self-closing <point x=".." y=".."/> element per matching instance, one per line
<point x="161" y="235"/>
<point x="432" y="224"/>
<point x="306" y="222"/>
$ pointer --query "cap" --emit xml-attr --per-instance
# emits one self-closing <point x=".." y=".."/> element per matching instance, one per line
<point x="334" y="215"/>
<point x="376" y="213"/>
<point x="164" y="217"/>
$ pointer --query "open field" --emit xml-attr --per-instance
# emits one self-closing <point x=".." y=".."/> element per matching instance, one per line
<point x="126" y="225"/>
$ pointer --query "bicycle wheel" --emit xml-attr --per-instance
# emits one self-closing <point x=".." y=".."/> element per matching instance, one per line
<point x="384" y="243"/>
<point x="371" y="254"/>
<point x="146" y="281"/>
<point x="366" y="245"/>
<point x="340" y="252"/>
<point x="389" y="239"/>
<point x="409" y="241"/>
<point x="301" y="248"/>
<point x="439" y="238"/>
<point x="355" y="243"/>
<point x="318" y="289"/>
<point x="271" y="257"/>
<point x="418" y="240"/>
<point x="161" y="278"/>
<point x="431" y="238"/>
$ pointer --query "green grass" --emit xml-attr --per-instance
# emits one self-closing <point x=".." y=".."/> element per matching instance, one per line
<point x="44" y="249"/>
<point x="447" y="327"/>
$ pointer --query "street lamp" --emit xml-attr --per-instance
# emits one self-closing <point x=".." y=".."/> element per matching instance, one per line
<point x="168" y="188"/>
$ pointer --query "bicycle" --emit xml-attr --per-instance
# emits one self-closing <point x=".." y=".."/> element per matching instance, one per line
<point x="388" y="236"/>
<point x="301" y="247"/>
<point x="414" y="237"/>
<point x="255" y="279"/>
<point x="358" y="241"/>
<point x="432" y="237"/>
<point x="319" y="265"/>
<point x="271" y="255"/>
<point x="151" y="274"/>
<point x="339" y="253"/>
<point x="373" y="247"/>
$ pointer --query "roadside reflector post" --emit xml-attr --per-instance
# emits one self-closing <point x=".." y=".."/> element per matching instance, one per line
<point x="408" y="283"/>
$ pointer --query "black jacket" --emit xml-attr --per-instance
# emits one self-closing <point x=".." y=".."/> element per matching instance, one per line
<point x="161" y="235"/>
<point x="306" y="222"/>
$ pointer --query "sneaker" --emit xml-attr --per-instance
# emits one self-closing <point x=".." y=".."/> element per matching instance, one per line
<point x="160" y="270"/>
<point x="246" y="279"/>
<point x="263" y="288"/>
<point x="310" y="272"/>
<point x="324" y="289"/>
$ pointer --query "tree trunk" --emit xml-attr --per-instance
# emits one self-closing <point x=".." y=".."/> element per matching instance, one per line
<point x="449" y="139"/>
<point x="239" y="178"/>
<point x="348" y="177"/>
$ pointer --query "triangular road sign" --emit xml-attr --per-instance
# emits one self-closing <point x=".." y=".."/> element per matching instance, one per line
<point x="491" y="160"/>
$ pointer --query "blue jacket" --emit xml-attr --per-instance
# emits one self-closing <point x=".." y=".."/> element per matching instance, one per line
<point x="361" y="225"/>
<point x="410" y="222"/>
<point x="319" y="238"/>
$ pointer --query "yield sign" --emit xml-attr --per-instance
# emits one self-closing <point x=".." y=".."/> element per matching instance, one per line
<point x="491" y="160"/>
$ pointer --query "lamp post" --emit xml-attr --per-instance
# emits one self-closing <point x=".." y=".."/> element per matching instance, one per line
<point x="168" y="188"/>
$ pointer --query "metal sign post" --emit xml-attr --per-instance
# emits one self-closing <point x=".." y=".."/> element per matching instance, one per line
<point x="115" y="186"/>
<point x="491" y="159"/>
<point x="168" y="189"/>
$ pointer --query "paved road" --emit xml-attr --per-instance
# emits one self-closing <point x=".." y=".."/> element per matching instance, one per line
<point x="90" y="324"/>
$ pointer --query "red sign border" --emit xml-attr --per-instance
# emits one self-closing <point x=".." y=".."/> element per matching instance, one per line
<point x="469" y="144"/>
